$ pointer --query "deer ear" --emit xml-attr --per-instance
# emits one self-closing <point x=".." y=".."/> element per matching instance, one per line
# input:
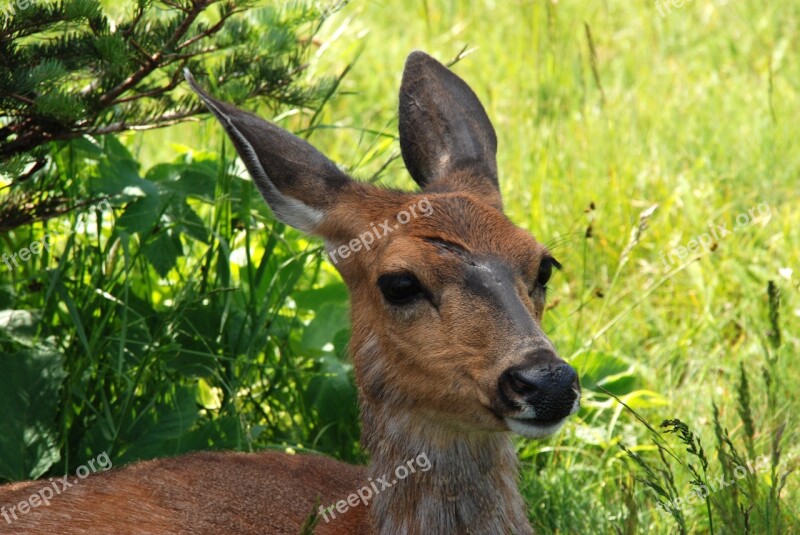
<point x="296" y="180"/>
<point x="443" y="126"/>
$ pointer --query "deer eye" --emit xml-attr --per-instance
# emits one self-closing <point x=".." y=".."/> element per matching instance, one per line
<point x="400" y="288"/>
<point x="546" y="270"/>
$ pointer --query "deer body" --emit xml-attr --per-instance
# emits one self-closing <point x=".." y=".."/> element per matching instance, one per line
<point x="446" y="344"/>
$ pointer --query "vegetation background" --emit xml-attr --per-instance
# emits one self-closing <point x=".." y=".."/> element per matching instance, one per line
<point x="186" y="318"/>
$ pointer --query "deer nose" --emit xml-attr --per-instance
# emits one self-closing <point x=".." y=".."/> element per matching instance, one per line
<point x="550" y="389"/>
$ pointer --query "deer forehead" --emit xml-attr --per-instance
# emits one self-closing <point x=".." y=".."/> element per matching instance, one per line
<point x="454" y="228"/>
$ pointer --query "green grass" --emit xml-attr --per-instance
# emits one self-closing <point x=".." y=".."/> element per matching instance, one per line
<point x="697" y="115"/>
<point x="692" y="123"/>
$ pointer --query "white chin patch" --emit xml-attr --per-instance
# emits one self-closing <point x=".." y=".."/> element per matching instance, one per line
<point x="530" y="429"/>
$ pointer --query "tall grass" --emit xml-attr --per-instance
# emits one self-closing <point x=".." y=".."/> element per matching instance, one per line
<point x="623" y="135"/>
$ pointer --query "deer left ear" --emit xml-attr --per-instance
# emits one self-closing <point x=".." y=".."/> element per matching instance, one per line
<point x="296" y="180"/>
<point x="444" y="129"/>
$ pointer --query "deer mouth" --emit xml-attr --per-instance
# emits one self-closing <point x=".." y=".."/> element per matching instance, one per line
<point x="528" y="425"/>
<point x="532" y="428"/>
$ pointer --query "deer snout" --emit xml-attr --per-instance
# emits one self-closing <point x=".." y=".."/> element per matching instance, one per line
<point x="550" y="390"/>
<point x="539" y="394"/>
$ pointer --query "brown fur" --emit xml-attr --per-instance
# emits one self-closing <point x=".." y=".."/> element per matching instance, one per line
<point x="201" y="493"/>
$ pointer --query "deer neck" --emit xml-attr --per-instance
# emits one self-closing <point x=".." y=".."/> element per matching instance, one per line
<point x="470" y="486"/>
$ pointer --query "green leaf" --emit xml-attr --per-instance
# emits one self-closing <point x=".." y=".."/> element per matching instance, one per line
<point x="332" y="393"/>
<point x="159" y="433"/>
<point x="612" y="372"/>
<point x="188" y="221"/>
<point x="314" y="298"/>
<point x="118" y="174"/>
<point x="140" y="216"/>
<point x="163" y="252"/>
<point x="198" y="180"/>
<point x="645" y="399"/>
<point x="88" y="145"/>
<point x="20" y="325"/>
<point x="331" y="318"/>
<point x="28" y="445"/>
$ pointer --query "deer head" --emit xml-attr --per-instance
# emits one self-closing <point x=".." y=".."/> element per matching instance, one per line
<point x="447" y="293"/>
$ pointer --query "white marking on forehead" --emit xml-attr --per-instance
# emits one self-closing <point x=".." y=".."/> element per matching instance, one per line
<point x="484" y="267"/>
<point x="495" y="273"/>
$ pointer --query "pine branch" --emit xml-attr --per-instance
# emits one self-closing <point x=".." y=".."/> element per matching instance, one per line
<point x="79" y="76"/>
<point x="153" y="62"/>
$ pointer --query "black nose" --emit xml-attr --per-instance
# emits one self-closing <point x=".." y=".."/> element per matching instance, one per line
<point x="548" y="388"/>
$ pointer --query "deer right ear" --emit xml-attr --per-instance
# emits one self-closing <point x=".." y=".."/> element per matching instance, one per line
<point x="444" y="128"/>
<point x="296" y="180"/>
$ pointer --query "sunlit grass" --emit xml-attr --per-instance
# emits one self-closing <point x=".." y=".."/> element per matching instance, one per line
<point x="693" y="113"/>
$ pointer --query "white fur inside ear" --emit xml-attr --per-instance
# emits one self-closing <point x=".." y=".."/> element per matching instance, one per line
<point x="287" y="209"/>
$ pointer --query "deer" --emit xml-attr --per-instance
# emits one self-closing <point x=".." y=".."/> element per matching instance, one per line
<point x="449" y="356"/>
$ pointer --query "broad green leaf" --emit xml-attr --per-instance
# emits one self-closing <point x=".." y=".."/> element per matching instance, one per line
<point x="330" y="319"/>
<point x="612" y="372"/>
<point x="314" y="298"/>
<point x="140" y="216"/>
<point x="28" y="405"/>
<point x="163" y="251"/>
<point x="20" y="325"/>
<point x="169" y="422"/>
